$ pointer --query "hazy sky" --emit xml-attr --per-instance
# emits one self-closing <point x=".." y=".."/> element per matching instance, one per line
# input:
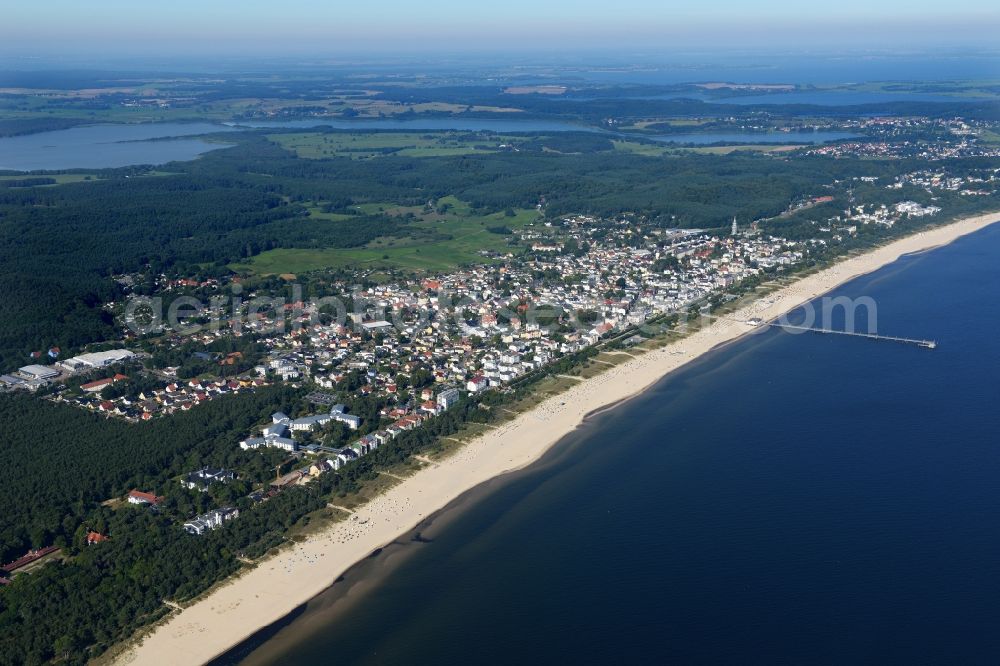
<point x="298" y="26"/>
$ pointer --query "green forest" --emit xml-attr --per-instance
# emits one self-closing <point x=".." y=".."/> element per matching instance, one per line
<point x="100" y="594"/>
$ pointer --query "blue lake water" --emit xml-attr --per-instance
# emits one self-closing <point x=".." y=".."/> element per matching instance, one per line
<point x="104" y="146"/>
<point x="813" y="97"/>
<point x="846" y="98"/>
<point x="787" y="499"/>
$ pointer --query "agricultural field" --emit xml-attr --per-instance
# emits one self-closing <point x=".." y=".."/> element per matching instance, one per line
<point x="59" y="178"/>
<point x="647" y="149"/>
<point x="54" y="106"/>
<point x="316" y="145"/>
<point x="745" y="148"/>
<point x="376" y="108"/>
<point x="675" y="122"/>
<point x="444" y="238"/>
<point x="172" y="102"/>
<point x="654" y="150"/>
<point x="990" y="136"/>
<point x="316" y="213"/>
<point x="359" y="104"/>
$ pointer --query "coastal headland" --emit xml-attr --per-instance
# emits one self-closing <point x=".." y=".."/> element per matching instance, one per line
<point x="279" y="584"/>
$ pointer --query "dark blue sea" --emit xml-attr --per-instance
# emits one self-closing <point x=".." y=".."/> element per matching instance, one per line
<point x="788" y="499"/>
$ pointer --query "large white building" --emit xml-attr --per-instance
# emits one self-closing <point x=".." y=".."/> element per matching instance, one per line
<point x="38" y="372"/>
<point x="211" y="520"/>
<point x="447" y="398"/>
<point x="271" y="440"/>
<point x="96" y="360"/>
<point x="277" y="435"/>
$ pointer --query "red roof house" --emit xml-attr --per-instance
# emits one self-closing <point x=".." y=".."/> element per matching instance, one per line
<point x="95" y="537"/>
<point x="139" y="497"/>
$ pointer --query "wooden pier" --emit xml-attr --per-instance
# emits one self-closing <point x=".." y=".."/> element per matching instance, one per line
<point x="755" y="322"/>
<point x="926" y="344"/>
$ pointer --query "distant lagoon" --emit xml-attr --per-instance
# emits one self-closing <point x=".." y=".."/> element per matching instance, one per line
<point x="110" y="146"/>
<point x="847" y="98"/>
<point x="832" y="97"/>
<point x="107" y="146"/>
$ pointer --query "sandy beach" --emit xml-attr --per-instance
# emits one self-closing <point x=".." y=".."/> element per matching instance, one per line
<point x="279" y="584"/>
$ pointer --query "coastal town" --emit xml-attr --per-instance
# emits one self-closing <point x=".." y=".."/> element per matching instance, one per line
<point x="470" y="330"/>
<point x="563" y="286"/>
<point x="415" y="346"/>
<point x="306" y="335"/>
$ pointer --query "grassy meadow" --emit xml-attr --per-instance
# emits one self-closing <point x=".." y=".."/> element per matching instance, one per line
<point x="367" y="145"/>
<point x="449" y="236"/>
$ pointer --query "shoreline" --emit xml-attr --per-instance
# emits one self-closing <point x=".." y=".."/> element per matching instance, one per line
<point x="279" y="584"/>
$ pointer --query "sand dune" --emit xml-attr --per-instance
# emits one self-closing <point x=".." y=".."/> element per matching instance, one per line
<point x="279" y="584"/>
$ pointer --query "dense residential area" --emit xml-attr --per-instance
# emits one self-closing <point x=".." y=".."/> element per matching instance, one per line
<point x="412" y="350"/>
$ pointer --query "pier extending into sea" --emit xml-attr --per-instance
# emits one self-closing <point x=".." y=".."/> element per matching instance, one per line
<point x="926" y="344"/>
<point x="774" y="323"/>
